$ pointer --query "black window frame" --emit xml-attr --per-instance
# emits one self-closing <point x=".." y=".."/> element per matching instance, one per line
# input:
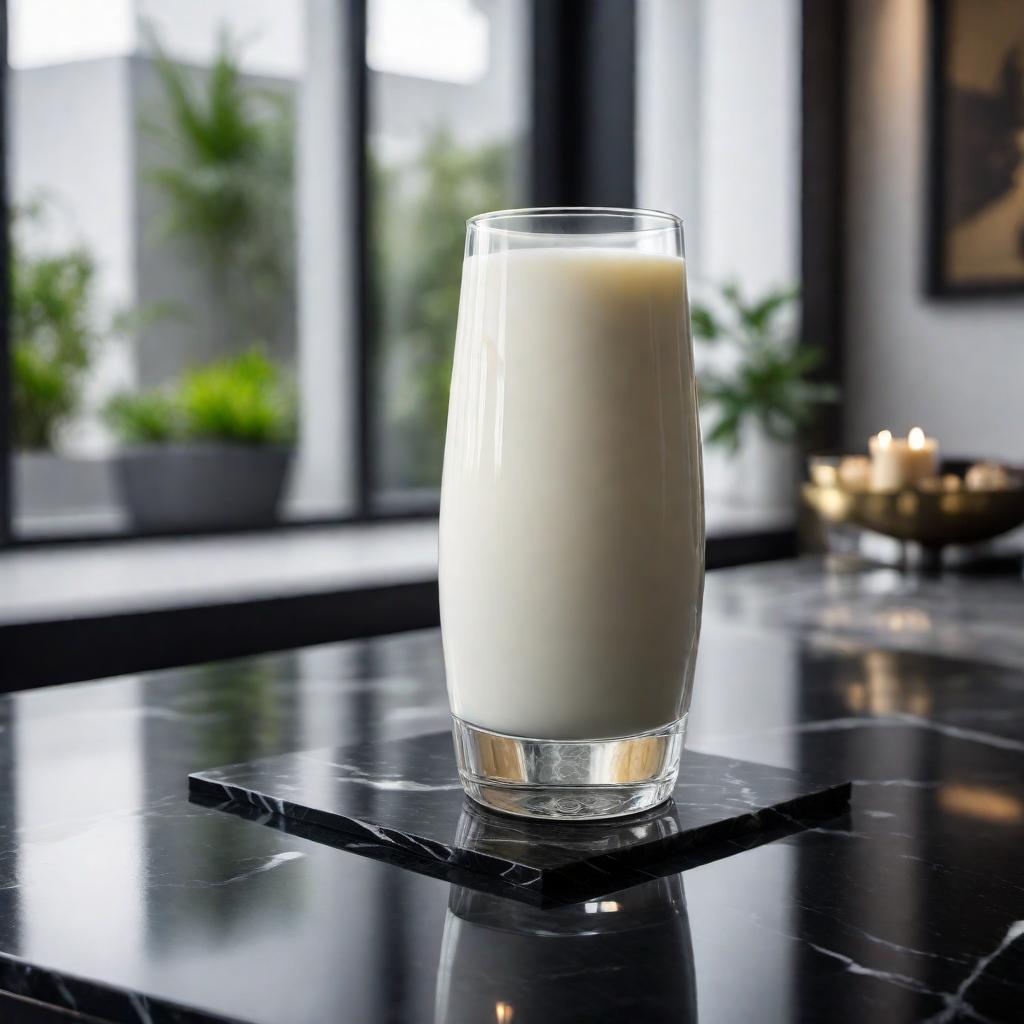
<point x="582" y="152"/>
<point x="590" y="87"/>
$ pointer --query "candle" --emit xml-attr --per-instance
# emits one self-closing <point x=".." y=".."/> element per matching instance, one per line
<point x="855" y="473"/>
<point x="898" y="462"/>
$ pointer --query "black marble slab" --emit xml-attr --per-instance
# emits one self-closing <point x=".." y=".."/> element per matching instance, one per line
<point x="404" y="799"/>
<point x="120" y="900"/>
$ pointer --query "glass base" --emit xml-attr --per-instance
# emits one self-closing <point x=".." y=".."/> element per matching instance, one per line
<point x="568" y="780"/>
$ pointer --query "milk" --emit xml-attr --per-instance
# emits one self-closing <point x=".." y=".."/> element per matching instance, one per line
<point x="572" y="514"/>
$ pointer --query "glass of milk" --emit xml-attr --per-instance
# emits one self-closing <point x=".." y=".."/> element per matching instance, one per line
<point x="572" y="513"/>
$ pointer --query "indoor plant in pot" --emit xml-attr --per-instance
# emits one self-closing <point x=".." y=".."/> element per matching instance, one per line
<point x="210" y="451"/>
<point x="757" y="391"/>
<point x="57" y="328"/>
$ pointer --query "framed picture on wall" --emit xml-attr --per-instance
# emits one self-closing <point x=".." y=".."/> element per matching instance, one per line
<point x="976" y="164"/>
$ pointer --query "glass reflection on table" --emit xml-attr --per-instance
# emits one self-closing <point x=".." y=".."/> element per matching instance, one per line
<point x="508" y="962"/>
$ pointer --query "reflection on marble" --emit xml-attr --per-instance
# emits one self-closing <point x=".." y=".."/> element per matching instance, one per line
<point x="959" y="616"/>
<point x="406" y="796"/>
<point x="627" y="956"/>
<point x="121" y="898"/>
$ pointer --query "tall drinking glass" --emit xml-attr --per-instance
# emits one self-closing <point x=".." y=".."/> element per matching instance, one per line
<point x="572" y="513"/>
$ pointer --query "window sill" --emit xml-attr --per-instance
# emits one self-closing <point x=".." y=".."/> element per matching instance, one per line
<point x="161" y="574"/>
<point x="83" y="611"/>
<point x="80" y="612"/>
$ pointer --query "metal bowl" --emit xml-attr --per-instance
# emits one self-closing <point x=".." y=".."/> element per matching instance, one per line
<point x="933" y="519"/>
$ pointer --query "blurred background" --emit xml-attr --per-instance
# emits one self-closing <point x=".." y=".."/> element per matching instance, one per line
<point x="232" y="269"/>
<point x="204" y="188"/>
<point x="236" y="230"/>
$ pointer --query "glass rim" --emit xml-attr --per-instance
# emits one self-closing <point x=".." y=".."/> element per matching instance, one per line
<point x="490" y="221"/>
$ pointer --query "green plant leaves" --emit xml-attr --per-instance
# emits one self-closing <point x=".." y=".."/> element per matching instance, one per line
<point x="238" y="400"/>
<point x="757" y="317"/>
<point x="227" y="185"/>
<point x="244" y="400"/>
<point x="770" y="383"/>
<point x="53" y="339"/>
<point x="705" y="324"/>
<point x="419" y="216"/>
<point x="143" y="419"/>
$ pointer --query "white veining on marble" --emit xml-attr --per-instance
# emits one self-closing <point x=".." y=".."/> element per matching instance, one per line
<point x="381" y="781"/>
<point x="956" y="1004"/>
<point x="896" y="720"/>
<point x="400" y="785"/>
<point x="957" y="733"/>
<point x="892" y="977"/>
<point x="65" y="994"/>
<point x="897" y="947"/>
<point x="803" y="827"/>
<point x="268" y="864"/>
<point x="954" y="1001"/>
<point x="141" y="1007"/>
<point x="907" y="783"/>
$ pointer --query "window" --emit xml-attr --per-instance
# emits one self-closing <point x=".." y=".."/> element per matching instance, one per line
<point x="184" y="245"/>
<point x="718" y="140"/>
<point x="448" y="109"/>
<point x="243" y="221"/>
<point x="168" y="249"/>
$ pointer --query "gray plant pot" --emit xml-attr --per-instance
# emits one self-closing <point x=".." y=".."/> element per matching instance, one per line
<point x="202" y="486"/>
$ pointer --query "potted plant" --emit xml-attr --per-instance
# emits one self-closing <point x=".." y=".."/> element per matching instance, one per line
<point x="54" y="338"/>
<point x="210" y="451"/>
<point x="53" y="342"/>
<point x="759" y="391"/>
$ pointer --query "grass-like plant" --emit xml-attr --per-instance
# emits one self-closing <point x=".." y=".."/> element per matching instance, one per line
<point x="247" y="399"/>
<point x="55" y="331"/>
<point x="770" y="382"/>
<point x="151" y="417"/>
<point x="227" y="181"/>
<point x="53" y="339"/>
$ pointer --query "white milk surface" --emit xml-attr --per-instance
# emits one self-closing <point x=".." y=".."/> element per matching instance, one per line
<point x="572" y="514"/>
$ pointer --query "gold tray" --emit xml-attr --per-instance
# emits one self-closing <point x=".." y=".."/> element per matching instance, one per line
<point x="931" y="518"/>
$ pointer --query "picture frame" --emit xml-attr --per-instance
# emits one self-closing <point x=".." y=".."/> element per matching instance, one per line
<point x="975" y="214"/>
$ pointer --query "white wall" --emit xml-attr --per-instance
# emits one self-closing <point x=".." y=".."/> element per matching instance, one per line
<point x="954" y="367"/>
<point x="44" y="32"/>
<point x="718" y="134"/>
<point x="405" y="109"/>
<point x="750" y="138"/>
<point x="668" y="113"/>
<point x="719" y="131"/>
<point x="71" y="147"/>
<point x="324" y="478"/>
<point x="270" y="34"/>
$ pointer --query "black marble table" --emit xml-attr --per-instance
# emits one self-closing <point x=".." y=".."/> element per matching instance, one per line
<point x="120" y="900"/>
<point x="402" y="802"/>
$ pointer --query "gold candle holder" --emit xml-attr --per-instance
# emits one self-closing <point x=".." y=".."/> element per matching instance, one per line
<point x="935" y="511"/>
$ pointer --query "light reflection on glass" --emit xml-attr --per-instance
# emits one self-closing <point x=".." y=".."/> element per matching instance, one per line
<point x="602" y="907"/>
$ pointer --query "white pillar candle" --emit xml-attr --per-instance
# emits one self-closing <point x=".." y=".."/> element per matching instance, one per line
<point x="898" y="462"/>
